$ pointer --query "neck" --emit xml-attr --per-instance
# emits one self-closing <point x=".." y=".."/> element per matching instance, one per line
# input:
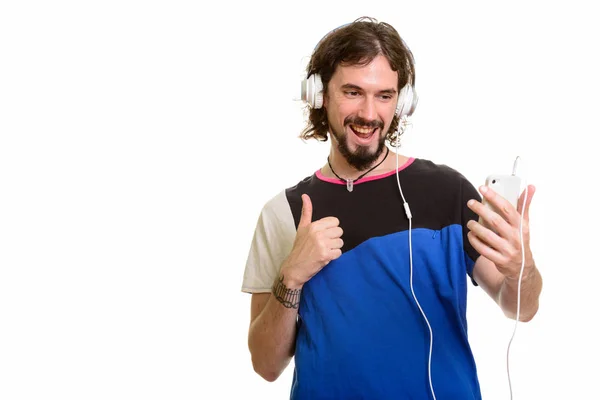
<point x="338" y="166"/>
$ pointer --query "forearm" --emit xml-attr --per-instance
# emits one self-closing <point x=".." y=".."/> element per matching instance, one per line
<point x="273" y="333"/>
<point x="531" y="287"/>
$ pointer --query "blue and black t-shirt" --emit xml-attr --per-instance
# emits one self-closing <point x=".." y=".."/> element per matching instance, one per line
<point x="360" y="332"/>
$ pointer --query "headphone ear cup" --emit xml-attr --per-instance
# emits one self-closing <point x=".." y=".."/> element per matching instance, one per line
<point x="312" y="91"/>
<point x="318" y="91"/>
<point x="407" y="101"/>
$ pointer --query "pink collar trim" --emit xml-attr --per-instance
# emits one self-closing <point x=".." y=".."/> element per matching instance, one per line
<point x="368" y="178"/>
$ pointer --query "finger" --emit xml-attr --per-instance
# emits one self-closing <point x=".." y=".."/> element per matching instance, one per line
<point x="491" y="218"/>
<point x="327" y="222"/>
<point x="488" y="237"/>
<point x="501" y="205"/>
<point x="335" y="253"/>
<point x="529" y="193"/>
<point x="336" y="243"/>
<point x="306" y="216"/>
<point x="484" y="250"/>
<point x="334" y="233"/>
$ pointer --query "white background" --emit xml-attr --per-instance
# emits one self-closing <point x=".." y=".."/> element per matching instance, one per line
<point x="139" y="141"/>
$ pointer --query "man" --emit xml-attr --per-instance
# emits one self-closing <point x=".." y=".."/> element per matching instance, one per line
<point x="344" y="278"/>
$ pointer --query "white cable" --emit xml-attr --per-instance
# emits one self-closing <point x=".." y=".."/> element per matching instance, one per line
<point x="409" y="216"/>
<point x="516" y="165"/>
<point x="520" y="278"/>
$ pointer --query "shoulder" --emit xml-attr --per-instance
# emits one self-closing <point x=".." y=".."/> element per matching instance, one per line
<point x="281" y="202"/>
<point x="424" y="166"/>
<point x="275" y="205"/>
<point x="443" y="181"/>
<point x="438" y="173"/>
<point x="305" y="185"/>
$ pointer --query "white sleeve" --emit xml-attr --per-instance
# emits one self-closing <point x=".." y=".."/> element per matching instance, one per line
<point x="272" y="242"/>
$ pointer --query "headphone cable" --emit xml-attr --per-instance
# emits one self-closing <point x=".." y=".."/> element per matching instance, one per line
<point x="515" y="165"/>
<point x="403" y="123"/>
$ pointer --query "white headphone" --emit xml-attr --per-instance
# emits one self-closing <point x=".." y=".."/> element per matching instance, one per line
<point x="312" y="93"/>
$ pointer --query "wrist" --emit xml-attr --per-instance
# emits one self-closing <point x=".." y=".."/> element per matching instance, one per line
<point x="528" y="271"/>
<point x="288" y="297"/>
<point x="289" y="278"/>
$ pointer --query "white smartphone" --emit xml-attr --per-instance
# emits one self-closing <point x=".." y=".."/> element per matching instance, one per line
<point x="507" y="186"/>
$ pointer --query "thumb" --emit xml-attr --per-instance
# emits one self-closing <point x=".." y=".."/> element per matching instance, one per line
<point x="306" y="216"/>
<point x="525" y="210"/>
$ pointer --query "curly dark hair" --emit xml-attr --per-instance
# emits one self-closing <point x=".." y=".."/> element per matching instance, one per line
<point x="357" y="43"/>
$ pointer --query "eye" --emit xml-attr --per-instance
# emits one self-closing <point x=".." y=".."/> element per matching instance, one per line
<point x="351" y="93"/>
<point x="386" y="97"/>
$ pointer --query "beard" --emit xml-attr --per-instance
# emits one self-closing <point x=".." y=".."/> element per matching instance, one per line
<point x="363" y="157"/>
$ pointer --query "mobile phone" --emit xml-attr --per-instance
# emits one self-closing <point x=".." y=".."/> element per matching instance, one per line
<point x="507" y="186"/>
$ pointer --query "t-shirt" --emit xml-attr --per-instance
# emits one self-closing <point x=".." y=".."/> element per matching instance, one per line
<point x="361" y="334"/>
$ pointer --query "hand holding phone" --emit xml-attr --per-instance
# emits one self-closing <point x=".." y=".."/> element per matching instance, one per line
<point x="507" y="186"/>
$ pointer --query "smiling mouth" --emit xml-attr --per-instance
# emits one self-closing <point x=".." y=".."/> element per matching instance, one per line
<point x="362" y="132"/>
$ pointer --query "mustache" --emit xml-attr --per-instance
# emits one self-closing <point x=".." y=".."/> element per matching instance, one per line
<point x="355" y="120"/>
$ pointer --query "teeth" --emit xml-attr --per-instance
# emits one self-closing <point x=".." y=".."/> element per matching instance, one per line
<point x="362" y="130"/>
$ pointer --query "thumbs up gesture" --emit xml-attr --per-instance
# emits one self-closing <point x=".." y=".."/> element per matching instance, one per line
<point x="316" y="244"/>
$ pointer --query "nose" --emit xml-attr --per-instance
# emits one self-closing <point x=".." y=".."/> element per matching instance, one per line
<point x="367" y="109"/>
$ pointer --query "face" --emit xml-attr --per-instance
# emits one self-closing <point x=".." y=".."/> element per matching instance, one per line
<point x="360" y="104"/>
